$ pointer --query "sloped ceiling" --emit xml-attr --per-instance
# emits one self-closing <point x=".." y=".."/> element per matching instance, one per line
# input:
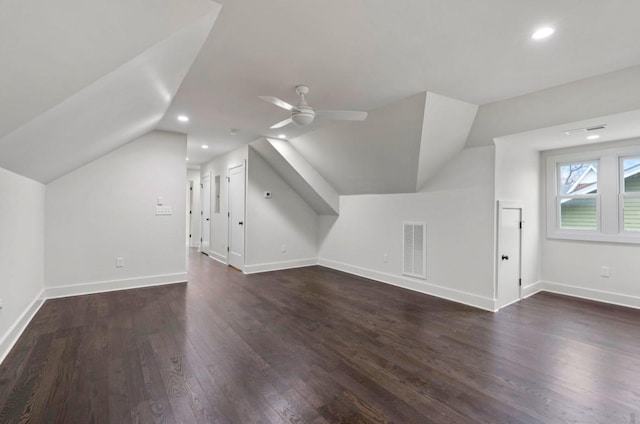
<point x="379" y="155"/>
<point x="301" y="176"/>
<point x="445" y="128"/>
<point x="357" y="54"/>
<point x="90" y="77"/>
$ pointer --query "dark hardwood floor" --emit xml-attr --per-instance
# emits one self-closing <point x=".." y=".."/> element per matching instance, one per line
<point x="313" y="345"/>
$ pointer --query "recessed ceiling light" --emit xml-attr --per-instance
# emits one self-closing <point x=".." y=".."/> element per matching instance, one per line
<point x="204" y="146"/>
<point x="183" y="118"/>
<point x="282" y="136"/>
<point x="187" y="158"/>
<point x="542" y="33"/>
<point x="593" y="137"/>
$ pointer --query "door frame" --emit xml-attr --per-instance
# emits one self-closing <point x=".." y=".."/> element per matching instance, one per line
<point x="244" y="215"/>
<point x="502" y="205"/>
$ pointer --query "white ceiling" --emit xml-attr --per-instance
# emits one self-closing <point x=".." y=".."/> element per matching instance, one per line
<point x="360" y="54"/>
<point x="618" y="127"/>
<point x="379" y="155"/>
<point x="50" y="50"/>
<point x="355" y="54"/>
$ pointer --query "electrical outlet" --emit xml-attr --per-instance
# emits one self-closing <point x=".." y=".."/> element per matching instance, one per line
<point x="283" y="248"/>
<point x="385" y="258"/>
<point x="1" y="304"/>
<point x="119" y="262"/>
<point x="604" y="271"/>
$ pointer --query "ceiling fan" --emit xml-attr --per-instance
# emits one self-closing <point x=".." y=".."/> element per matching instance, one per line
<point x="303" y="114"/>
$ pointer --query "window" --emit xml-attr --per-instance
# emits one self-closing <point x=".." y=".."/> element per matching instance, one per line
<point x="577" y="195"/>
<point x="630" y="193"/>
<point x="216" y="207"/>
<point x="594" y="194"/>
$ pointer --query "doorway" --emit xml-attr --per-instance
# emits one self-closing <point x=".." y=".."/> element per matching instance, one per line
<point x="205" y="214"/>
<point x="509" y="258"/>
<point x="236" y="216"/>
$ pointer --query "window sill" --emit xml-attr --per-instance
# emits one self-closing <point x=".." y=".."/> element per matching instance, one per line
<point x="623" y="238"/>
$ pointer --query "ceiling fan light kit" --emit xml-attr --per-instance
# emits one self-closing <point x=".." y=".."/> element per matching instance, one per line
<point x="303" y="114"/>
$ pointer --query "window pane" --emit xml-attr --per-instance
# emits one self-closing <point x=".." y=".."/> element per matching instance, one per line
<point x="632" y="214"/>
<point x="578" y="213"/>
<point x="631" y="169"/>
<point x="578" y="178"/>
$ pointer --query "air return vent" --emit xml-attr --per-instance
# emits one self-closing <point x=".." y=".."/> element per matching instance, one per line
<point x="587" y="129"/>
<point x="414" y="252"/>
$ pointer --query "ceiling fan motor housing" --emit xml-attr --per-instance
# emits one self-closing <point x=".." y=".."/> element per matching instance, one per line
<point x="303" y="116"/>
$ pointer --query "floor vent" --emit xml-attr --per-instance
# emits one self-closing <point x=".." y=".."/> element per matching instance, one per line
<point x="414" y="252"/>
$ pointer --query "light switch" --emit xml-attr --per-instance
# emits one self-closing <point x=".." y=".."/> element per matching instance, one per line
<point x="164" y="210"/>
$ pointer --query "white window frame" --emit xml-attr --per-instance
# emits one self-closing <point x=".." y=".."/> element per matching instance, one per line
<point x="610" y="195"/>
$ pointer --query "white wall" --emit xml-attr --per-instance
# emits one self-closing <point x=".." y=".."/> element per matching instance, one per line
<point x="21" y="253"/>
<point x="106" y="209"/>
<point x="193" y="176"/>
<point x="284" y="220"/>
<point x="518" y="179"/>
<point x="219" y="230"/>
<point x="457" y="206"/>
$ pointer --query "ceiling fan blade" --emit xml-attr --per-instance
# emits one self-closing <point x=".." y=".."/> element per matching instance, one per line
<point x="276" y="101"/>
<point x="282" y="123"/>
<point x="343" y="115"/>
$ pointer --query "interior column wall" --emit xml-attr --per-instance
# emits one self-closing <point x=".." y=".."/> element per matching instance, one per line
<point x="518" y="179"/>
<point x="22" y="215"/>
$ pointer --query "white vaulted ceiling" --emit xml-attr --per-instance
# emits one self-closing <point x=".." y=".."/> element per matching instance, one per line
<point x="363" y="54"/>
<point x="80" y="79"/>
<point x="354" y="54"/>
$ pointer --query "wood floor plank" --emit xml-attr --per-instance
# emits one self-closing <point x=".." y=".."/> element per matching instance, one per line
<point x="314" y="345"/>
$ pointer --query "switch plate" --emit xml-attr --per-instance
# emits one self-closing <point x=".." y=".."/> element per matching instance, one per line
<point x="119" y="262"/>
<point x="385" y="258"/>
<point x="164" y="210"/>
<point x="604" y="271"/>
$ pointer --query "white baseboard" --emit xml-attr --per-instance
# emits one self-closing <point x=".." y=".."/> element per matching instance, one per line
<point x="532" y="289"/>
<point x="15" y="331"/>
<point x="114" y="285"/>
<point x="218" y="257"/>
<point x="592" y="294"/>
<point x="275" y="266"/>
<point x="466" y="298"/>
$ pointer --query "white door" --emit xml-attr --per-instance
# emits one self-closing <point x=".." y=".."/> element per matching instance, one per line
<point x="205" y="214"/>
<point x="509" y="257"/>
<point x="236" y="217"/>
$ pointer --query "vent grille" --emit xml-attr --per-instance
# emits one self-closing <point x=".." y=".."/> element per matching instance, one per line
<point x="587" y="129"/>
<point x="414" y="252"/>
